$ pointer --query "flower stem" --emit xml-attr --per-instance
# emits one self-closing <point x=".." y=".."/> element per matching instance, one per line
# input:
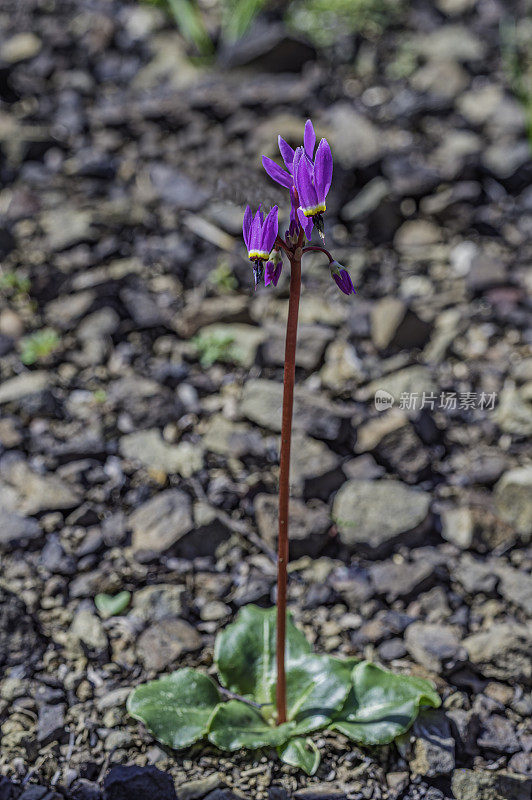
<point x="320" y="249"/>
<point x="284" y="477"/>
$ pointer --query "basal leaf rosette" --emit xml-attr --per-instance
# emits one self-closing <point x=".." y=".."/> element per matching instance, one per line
<point x="176" y="709"/>
<point x="316" y="685"/>
<point x="382" y="705"/>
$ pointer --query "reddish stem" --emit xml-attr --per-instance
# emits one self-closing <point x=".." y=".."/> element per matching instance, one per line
<point x="284" y="477"/>
<point x="320" y="249"/>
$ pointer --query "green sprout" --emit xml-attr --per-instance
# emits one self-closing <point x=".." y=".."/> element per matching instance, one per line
<point x="516" y="51"/>
<point x="324" y="21"/>
<point x="223" y="278"/>
<point x="14" y="283"/>
<point x="38" y="346"/>
<point x="214" y="347"/>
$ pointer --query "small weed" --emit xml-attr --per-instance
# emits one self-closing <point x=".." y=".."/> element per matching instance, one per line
<point x="213" y="347"/>
<point x="325" y="21"/>
<point x="223" y="278"/>
<point x="516" y="51"/>
<point x="38" y="346"/>
<point x="14" y="283"/>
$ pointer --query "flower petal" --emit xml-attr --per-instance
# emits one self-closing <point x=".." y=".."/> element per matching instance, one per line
<point x="287" y="153"/>
<point x="246" y="225"/>
<point x="305" y="187"/>
<point x="276" y="172"/>
<point x="255" y="232"/>
<point x="306" y="223"/>
<point x="272" y="273"/>
<point x="309" y="139"/>
<point x="269" y="230"/>
<point x="323" y="169"/>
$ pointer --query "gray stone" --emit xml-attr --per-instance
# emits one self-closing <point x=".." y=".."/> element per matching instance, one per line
<point x="379" y="514"/>
<point x="162" y="643"/>
<point x="51" y="723"/>
<point x="410" y="380"/>
<point x="232" y="439"/>
<point x="468" y="784"/>
<point x="314" y="468"/>
<point x="433" y="751"/>
<point x="149" y="449"/>
<point x="24" y="385"/>
<point x="200" y="312"/>
<point x="400" y="580"/>
<point x="514" y="412"/>
<point x="312" y="341"/>
<point x="65" y="227"/>
<point x="458" y="526"/>
<point x="475" y="576"/>
<point x="342" y="366"/>
<point x="502" y="651"/>
<point x="154" y="603"/>
<point x="313" y="413"/>
<point x="66" y="310"/>
<point x="367" y="200"/>
<point x="513" y="499"/>
<point x="20" y="47"/>
<point x="162" y="521"/>
<point x="498" y="735"/>
<point x="414" y="236"/>
<point x="308" y="525"/>
<point x="448" y="43"/>
<point x="359" y="151"/>
<point x="27" y="492"/>
<point x="87" y="630"/>
<point x="16" y="529"/>
<point x="433" y="646"/>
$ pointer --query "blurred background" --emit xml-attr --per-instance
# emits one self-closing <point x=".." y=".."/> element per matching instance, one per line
<point x="140" y="374"/>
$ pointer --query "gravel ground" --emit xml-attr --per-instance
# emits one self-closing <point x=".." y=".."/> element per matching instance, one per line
<point x="138" y="443"/>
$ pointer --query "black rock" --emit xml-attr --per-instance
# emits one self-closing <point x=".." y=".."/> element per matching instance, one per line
<point x="132" y="783"/>
<point x="20" y="639"/>
<point x="85" y="790"/>
<point x="8" y="790"/>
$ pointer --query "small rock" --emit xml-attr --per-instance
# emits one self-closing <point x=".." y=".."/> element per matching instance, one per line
<point x="233" y="439"/>
<point x="394" y="325"/>
<point x="400" y="580"/>
<point x="308" y="525"/>
<point x="314" y="468"/>
<point x="24" y="385"/>
<point x="433" y="646"/>
<point x="20" y="47"/>
<point x="16" y="530"/>
<point x="433" y="751"/>
<point x="514" y="412"/>
<point x="498" y="734"/>
<point x="51" y="723"/>
<point x="502" y="652"/>
<point x="378" y="514"/>
<point x="513" y="499"/>
<point x="414" y="236"/>
<point x="148" y="448"/>
<point x="87" y="630"/>
<point x="243" y="341"/>
<point x="479" y="784"/>
<point x="155" y="603"/>
<point x="458" y="526"/>
<point x="161" y="644"/>
<point x="132" y="782"/>
<point x="162" y="521"/>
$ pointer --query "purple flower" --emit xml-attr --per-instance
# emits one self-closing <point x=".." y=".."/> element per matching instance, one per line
<point x="260" y="233"/>
<point x="313" y="179"/>
<point x="273" y="269"/>
<point x="342" y="278"/>
<point x="279" y="175"/>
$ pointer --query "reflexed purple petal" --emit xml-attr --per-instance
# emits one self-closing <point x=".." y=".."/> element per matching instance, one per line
<point x="272" y="273"/>
<point x="293" y="205"/>
<point x="307" y="223"/>
<point x="297" y="157"/>
<point x="287" y="153"/>
<point x="309" y="139"/>
<point x="344" y="282"/>
<point x="255" y="232"/>
<point x="276" y="172"/>
<point x="246" y="225"/>
<point x="305" y="187"/>
<point x="323" y="169"/>
<point x="269" y="230"/>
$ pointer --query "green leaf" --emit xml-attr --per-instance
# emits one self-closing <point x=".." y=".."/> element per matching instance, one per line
<point x="110" y="605"/>
<point x="301" y="753"/>
<point x="176" y="708"/>
<point x="236" y="724"/>
<point x="316" y="688"/>
<point x="245" y="652"/>
<point x="382" y="705"/>
<point x="191" y="25"/>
